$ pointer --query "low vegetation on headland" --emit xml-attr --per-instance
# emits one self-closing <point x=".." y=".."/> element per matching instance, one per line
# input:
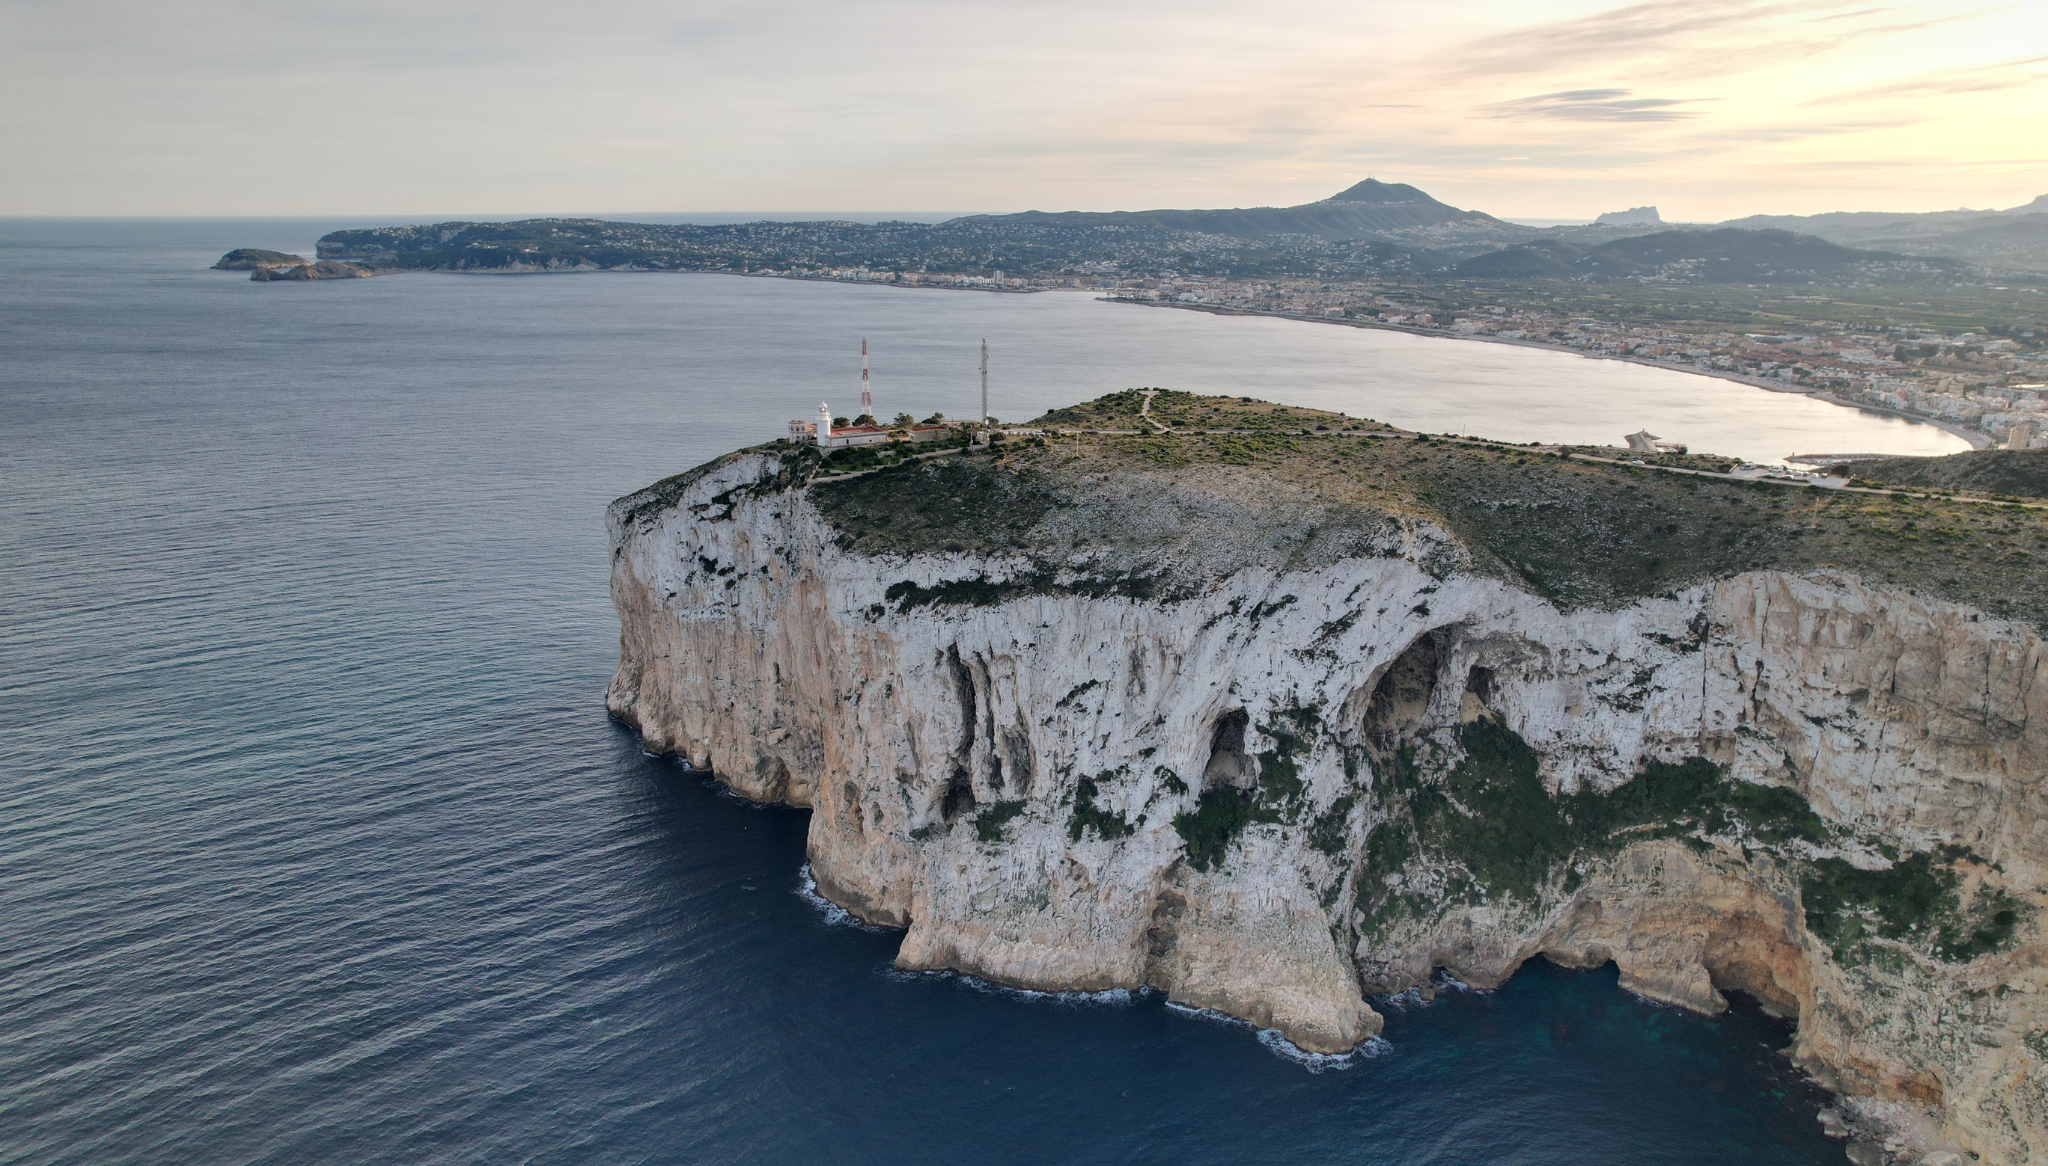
<point x="1453" y="787"/>
<point x="2011" y="473"/>
<point x="1138" y="483"/>
<point x="1228" y="480"/>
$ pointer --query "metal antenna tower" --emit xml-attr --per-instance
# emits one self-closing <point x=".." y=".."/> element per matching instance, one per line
<point x="867" y="400"/>
<point x="984" y="381"/>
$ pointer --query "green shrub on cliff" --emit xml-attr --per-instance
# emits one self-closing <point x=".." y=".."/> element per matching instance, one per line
<point x="991" y="820"/>
<point x="1220" y="815"/>
<point x="1089" y="816"/>
<point x="1490" y="815"/>
<point x="1917" y="900"/>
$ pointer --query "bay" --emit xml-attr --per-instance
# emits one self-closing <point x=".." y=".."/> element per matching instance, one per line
<point x="317" y="846"/>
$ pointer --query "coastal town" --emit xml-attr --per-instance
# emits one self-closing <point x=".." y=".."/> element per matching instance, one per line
<point x="1954" y="335"/>
<point x="1989" y="388"/>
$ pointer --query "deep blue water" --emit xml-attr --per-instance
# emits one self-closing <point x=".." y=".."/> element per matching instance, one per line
<point x="316" y="845"/>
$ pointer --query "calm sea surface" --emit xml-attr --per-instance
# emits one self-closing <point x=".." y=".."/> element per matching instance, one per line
<point x="316" y="845"/>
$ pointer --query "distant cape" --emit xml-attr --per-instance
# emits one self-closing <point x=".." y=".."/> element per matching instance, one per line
<point x="1635" y="216"/>
<point x="1369" y="208"/>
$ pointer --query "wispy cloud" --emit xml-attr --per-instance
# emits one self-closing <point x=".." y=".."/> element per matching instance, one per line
<point x="1542" y="109"/>
<point x="1688" y="37"/>
<point x="1593" y="105"/>
<point x="1943" y="82"/>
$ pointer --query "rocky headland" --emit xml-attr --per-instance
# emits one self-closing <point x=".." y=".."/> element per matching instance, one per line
<point x="256" y="258"/>
<point x="323" y="269"/>
<point x="1281" y="716"/>
<point x="264" y="266"/>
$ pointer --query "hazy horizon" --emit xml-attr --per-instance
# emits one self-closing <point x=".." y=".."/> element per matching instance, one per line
<point x="1709" y="110"/>
<point x="712" y="218"/>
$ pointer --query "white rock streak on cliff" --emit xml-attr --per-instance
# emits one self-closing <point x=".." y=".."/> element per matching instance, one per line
<point x="754" y="646"/>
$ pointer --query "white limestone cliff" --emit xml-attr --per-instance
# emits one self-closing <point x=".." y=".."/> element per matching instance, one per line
<point x="1002" y="777"/>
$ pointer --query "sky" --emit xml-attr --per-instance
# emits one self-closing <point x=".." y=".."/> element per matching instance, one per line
<point x="1708" y="109"/>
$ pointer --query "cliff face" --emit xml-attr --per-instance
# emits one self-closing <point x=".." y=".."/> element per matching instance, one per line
<point x="324" y="269"/>
<point x="1271" y="760"/>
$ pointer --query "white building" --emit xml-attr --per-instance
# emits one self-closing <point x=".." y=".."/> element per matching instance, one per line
<point x="825" y="436"/>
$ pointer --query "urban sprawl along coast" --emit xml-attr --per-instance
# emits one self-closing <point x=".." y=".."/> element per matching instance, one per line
<point x="1937" y="315"/>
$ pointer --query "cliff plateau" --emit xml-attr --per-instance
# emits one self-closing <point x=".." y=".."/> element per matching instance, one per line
<point x="1276" y="720"/>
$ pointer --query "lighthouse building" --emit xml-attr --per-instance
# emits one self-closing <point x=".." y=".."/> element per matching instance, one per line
<point x="821" y="432"/>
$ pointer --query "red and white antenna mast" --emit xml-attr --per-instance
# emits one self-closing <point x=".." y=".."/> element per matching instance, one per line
<point x="867" y="400"/>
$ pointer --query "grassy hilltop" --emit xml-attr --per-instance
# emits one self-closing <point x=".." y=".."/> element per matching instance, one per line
<point x="1160" y="512"/>
<point x="2017" y="472"/>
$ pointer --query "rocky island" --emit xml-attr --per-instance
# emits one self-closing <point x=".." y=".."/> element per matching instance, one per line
<point x="1276" y="711"/>
<point x="257" y="259"/>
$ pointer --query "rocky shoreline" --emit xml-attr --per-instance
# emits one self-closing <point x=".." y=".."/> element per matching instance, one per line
<point x="1273" y="755"/>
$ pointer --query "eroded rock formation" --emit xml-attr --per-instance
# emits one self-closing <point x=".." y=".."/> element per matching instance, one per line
<point x="1273" y="775"/>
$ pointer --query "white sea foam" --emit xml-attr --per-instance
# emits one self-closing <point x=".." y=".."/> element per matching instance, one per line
<point x="835" y="915"/>
<point x="1446" y="982"/>
<point x="1285" y="1049"/>
<point x="1107" y="998"/>
<point x="1403" y="1001"/>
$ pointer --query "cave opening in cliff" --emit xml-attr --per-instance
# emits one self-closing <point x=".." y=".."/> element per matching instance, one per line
<point x="1479" y="682"/>
<point x="1228" y="765"/>
<point x="959" y="798"/>
<point x="1401" y="693"/>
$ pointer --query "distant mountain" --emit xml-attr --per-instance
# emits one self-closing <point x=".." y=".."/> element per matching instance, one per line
<point x="2011" y="241"/>
<point x="1370" y="208"/>
<point x="1979" y="236"/>
<point x="977" y="247"/>
<point x="1635" y="216"/>
<point x="1858" y="226"/>
<point x="1726" y="255"/>
<point x="1371" y="231"/>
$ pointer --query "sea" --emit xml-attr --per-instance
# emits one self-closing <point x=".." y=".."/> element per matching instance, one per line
<point x="317" y="845"/>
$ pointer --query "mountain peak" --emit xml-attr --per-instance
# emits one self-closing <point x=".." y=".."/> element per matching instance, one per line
<point x="1635" y="216"/>
<point x="1372" y="190"/>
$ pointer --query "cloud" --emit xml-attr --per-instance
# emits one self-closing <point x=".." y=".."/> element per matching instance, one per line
<point x="1686" y="37"/>
<point x="1615" y="35"/>
<point x="1593" y="105"/>
<point x="1944" y="82"/>
<point x="128" y="106"/>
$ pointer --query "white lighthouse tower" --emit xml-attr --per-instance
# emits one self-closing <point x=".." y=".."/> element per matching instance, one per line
<point x="824" y="423"/>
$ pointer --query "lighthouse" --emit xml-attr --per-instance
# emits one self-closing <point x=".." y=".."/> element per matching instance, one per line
<point x="824" y="424"/>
